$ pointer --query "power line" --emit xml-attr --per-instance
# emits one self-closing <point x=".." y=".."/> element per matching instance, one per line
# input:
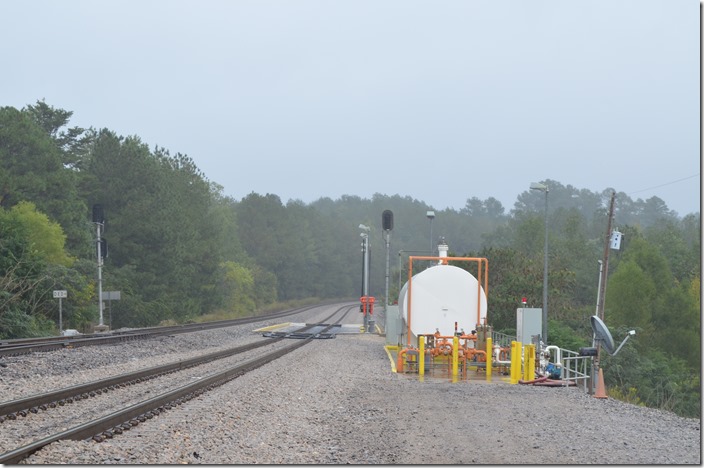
<point x="662" y="185"/>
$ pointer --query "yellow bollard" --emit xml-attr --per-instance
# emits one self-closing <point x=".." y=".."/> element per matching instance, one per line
<point x="526" y="369"/>
<point x="489" y="357"/>
<point x="515" y="362"/>
<point x="455" y="355"/>
<point x="421" y="355"/>
<point x="531" y="362"/>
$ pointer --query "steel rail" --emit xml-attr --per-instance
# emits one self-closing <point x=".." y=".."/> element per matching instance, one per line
<point x="119" y="421"/>
<point x="33" y="403"/>
<point x="30" y="345"/>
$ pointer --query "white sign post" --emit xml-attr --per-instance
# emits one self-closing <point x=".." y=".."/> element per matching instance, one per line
<point x="60" y="294"/>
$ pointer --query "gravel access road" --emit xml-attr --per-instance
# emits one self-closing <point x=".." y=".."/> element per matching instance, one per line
<point x="336" y="401"/>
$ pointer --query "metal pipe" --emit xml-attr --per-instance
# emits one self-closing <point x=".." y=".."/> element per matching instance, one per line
<point x="399" y="360"/>
<point x="479" y="291"/>
<point x="558" y="353"/>
<point x="497" y="353"/>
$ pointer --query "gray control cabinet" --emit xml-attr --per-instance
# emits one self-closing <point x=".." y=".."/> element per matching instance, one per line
<point x="529" y="322"/>
<point x="393" y="326"/>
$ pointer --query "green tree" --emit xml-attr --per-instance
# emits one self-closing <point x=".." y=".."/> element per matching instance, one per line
<point x="512" y="276"/>
<point x="45" y="237"/>
<point x="158" y="209"/>
<point x="643" y="293"/>
<point x="657" y="379"/>
<point x="679" y="244"/>
<point x="21" y="269"/>
<point x="630" y="297"/>
<point x="238" y="291"/>
<point x="35" y="167"/>
<point x="572" y="250"/>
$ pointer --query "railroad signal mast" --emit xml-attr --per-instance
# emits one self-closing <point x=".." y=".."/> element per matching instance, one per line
<point x="102" y="253"/>
<point x="387" y="223"/>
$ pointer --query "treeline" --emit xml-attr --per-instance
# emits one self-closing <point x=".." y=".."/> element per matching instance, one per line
<point x="180" y="250"/>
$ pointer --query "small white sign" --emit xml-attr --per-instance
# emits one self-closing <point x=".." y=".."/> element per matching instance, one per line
<point x="615" y="240"/>
<point x="60" y="294"/>
<point x="111" y="296"/>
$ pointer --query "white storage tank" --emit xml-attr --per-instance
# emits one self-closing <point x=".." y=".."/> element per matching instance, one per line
<point x="442" y="295"/>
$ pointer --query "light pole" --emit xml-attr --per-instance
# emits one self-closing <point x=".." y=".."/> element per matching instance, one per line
<point x="544" y="188"/>
<point x="431" y="216"/>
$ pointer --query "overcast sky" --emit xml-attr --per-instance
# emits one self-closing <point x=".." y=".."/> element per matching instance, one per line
<point x="438" y="100"/>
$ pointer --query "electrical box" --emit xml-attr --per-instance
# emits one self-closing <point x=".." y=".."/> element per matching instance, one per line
<point x="529" y="322"/>
<point x="393" y="326"/>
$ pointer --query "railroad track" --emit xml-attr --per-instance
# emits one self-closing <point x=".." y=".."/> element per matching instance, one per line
<point x="21" y="346"/>
<point x="131" y="414"/>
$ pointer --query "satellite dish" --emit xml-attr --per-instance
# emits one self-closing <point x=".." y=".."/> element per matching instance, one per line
<point x="601" y="332"/>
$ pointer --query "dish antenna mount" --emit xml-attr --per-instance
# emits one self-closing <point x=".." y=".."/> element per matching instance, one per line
<point x="603" y="336"/>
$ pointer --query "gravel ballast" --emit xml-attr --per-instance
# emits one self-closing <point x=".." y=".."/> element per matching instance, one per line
<point x="337" y="401"/>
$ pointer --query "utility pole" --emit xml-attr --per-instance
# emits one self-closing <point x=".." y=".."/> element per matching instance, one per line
<point x="604" y="273"/>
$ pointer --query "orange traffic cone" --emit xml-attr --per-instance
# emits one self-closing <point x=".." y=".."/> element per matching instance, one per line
<point x="600" y="388"/>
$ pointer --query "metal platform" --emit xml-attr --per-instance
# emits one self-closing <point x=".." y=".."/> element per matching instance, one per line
<point x="294" y="330"/>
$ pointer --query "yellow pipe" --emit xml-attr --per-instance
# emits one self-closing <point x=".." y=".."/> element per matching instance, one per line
<point x="488" y="360"/>
<point x="455" y="347"/>
<point x="421" y="355"/>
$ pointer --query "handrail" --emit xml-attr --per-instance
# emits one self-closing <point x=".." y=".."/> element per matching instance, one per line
<point x="575" y="367"/>
<point x="502" y="339"/>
